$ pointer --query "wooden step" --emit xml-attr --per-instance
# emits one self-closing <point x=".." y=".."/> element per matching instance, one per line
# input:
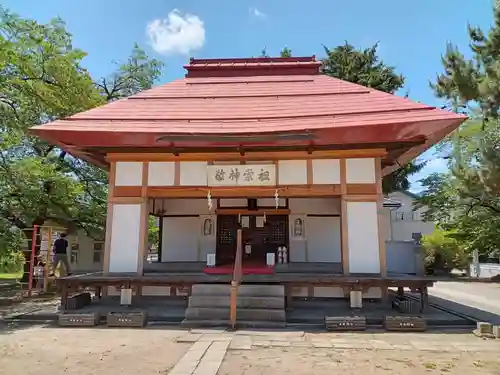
<point x="242" y="302"/>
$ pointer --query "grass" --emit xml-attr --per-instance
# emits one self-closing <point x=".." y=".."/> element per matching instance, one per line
<point x="11" y="276"/>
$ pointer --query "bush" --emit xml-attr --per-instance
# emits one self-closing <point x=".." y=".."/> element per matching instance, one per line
<point x="11" y="262"/>
<point x="442" y="250"/>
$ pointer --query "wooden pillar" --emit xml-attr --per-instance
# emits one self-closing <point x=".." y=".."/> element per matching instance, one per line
<point x="381" y="233"/>
<point x="109" y="219"/>
<point x="160" y="237"/>
<point x="343" y="218"/>
<point x="144" y="221"/>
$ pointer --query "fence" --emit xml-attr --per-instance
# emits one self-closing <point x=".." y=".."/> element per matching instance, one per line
<point x="401" y="257"/>
<point x="486" y="270"/>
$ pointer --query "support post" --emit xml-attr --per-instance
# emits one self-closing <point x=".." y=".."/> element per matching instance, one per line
<point x="160" y="237"/>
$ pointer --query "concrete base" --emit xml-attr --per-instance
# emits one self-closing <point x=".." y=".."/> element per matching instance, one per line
<point x="257" y="305"/>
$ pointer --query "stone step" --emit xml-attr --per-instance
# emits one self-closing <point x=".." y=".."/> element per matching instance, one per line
<point x="242" y="302"/>
<point x="225" y="323"/>
<point x="250" y="290"/>
<point x="219" y="313"/>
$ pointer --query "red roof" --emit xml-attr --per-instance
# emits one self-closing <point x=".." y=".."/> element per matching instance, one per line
<point x="255" y="103"/>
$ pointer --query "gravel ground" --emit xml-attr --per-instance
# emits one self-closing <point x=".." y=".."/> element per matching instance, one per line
<point x="281" y="361"/>
<point x="26" y="350"/>
<point x="54" y="351"/>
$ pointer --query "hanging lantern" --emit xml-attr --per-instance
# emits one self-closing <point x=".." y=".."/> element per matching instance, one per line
<point x="265" y="218"/>
<point x="277" y="199"/>
<point x="209" y="201"/>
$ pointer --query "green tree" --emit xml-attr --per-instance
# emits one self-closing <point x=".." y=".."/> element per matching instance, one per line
<point x="362" y="67"/>
<point x="469" y="193"/>
<point x="42" y="79"/>
<point x="286" y="52"/>
<point x="365" y="68"/>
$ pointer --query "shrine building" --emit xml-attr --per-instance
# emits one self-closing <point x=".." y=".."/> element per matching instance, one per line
<point x="260" y="163"/>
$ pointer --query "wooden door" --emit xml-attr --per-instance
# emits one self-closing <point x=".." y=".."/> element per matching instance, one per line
<point x="267" y="238"/>
<point x="227" y="225"/>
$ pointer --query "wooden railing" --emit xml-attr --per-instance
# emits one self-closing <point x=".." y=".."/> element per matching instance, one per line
<point x="236" y="280"/>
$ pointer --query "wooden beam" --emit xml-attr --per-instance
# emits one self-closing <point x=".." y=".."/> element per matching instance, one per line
<point x="361" y="189"/>
<point x="244" y="192"/>
<point x="310" y="177"/>
<point x="344" y="230"/>
<point x="177" y="173"/>
<point x="246" y="212"/>
<point x="126" y="200"/>
<point x="145" y="177"/>
<point x="130" y="191"/>
<point x="249" y="156"/>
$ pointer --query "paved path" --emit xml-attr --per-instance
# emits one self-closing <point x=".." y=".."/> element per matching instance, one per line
<point x="478" y="300"/>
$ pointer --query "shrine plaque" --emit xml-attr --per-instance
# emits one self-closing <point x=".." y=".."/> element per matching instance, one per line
<point x="241" y="175"/>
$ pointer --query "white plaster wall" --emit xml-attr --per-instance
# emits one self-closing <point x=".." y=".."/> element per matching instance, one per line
<point x="292" y="172"/>
<point x="161" y="173"/>
<point x="233" y="202"/>
<point x="128" y="173"/>
<point x="318" y="206"/>
<point x="363" y="240"/>
<point x="125" y="238"/>
<point x="270" y="202"/>
<point x="321" y="233"/>
<point x="188" y="206"/>
<point x="326" y="171"/>
<point x="180" y="241"/>
<point x="360" y="171"/>
<point x="193" y="173"/>
<point x="323" y="239"/>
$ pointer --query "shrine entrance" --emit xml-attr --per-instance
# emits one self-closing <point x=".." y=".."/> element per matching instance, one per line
<point x="261" y="235"/>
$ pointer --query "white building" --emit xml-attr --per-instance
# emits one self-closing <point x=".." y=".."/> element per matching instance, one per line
<point x="406" y="220"/>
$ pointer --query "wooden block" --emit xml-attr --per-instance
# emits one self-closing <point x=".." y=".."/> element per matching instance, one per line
<point x="345" y="323"/>
<point x="127" y="319"/>
<point x="79" y="319"/>
<point x="405" y="323"/>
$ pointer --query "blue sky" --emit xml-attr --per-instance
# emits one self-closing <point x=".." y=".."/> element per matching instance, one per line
<point x="412" y="35"/>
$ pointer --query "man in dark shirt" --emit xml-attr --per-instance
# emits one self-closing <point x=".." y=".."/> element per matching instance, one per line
<point x="60" y="253"/>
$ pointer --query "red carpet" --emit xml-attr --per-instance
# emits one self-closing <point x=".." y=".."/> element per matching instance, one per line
<point x="248" y="269"/>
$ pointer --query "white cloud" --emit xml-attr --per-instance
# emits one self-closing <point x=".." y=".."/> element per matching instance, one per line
<point x="257" y="13"/>
<point x="177" y="34"/>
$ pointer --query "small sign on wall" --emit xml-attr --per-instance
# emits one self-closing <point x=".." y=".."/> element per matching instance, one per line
<point x="241" y="175"/>
<point x="298" y="228"/>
